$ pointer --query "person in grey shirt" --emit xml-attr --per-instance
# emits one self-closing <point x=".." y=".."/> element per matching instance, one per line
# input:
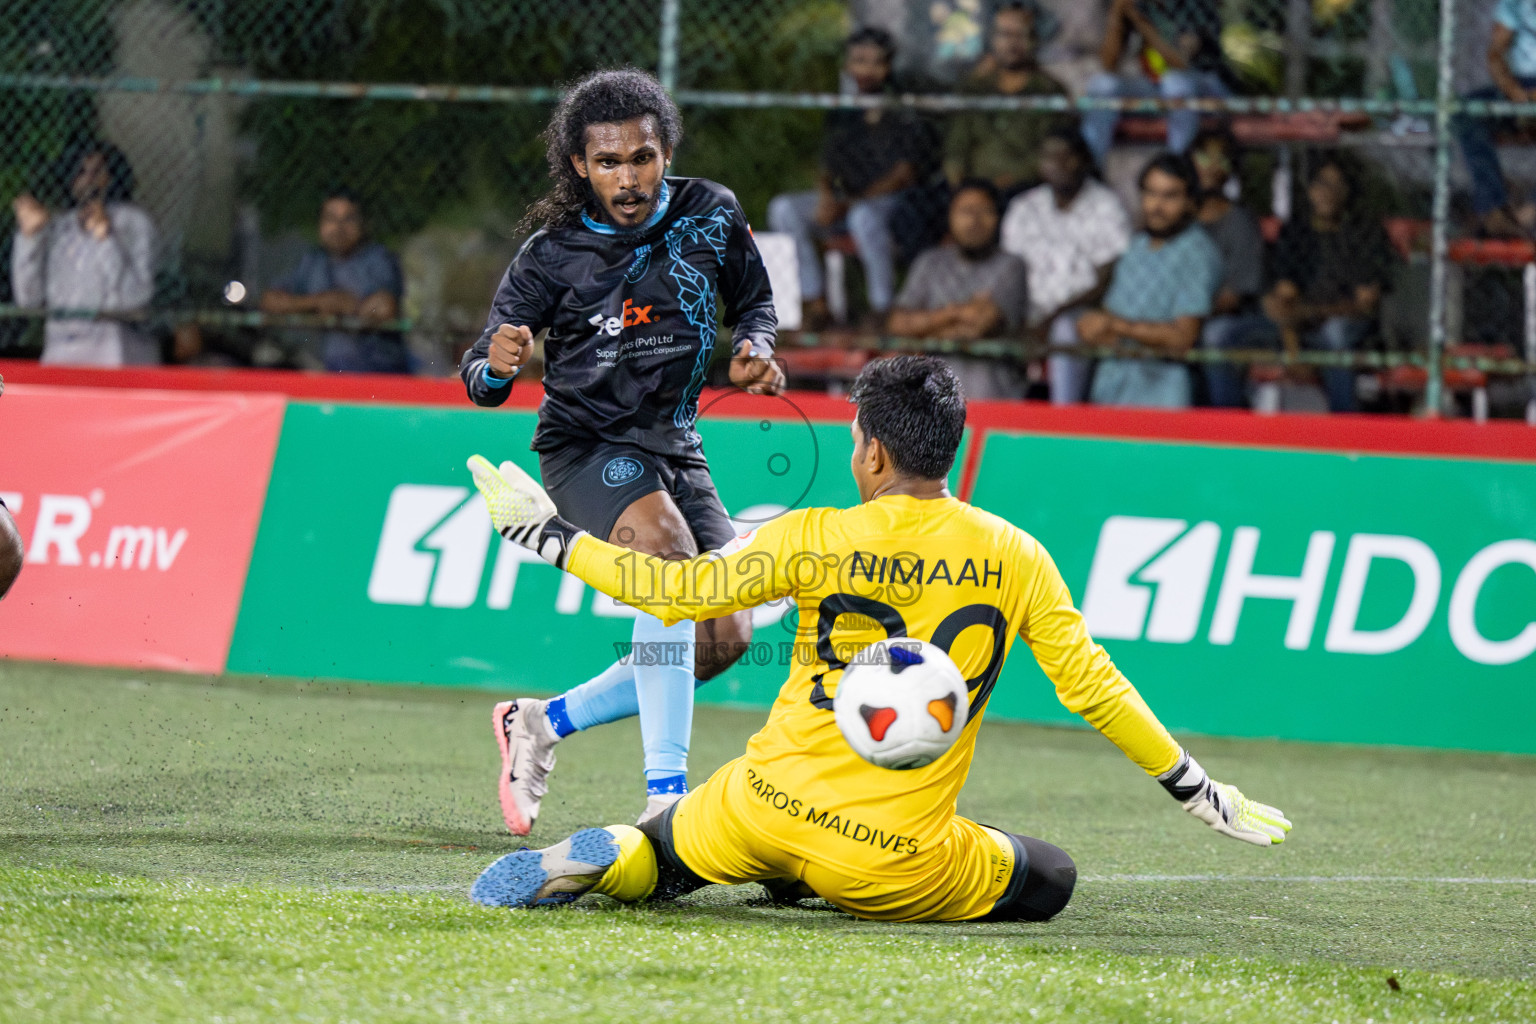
<point x="98" y="256"/>
<point x="347" y="275"/>
<point x="1235" y="230"/>
<point x="967" y="289"/>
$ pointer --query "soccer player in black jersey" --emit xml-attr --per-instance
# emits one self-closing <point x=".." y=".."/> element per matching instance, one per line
<point x="624" y="273"/>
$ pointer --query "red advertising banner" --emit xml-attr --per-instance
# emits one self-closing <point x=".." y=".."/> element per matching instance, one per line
<point x="138" y="510"/>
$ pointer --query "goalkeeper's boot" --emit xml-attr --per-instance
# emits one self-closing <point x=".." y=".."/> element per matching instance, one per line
<point x="548" y="877"/>
<point x="527" y="743"/>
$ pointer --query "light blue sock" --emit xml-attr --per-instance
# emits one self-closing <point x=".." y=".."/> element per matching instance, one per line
<point x="663" y="667"/>
<point x="606" y="697"/>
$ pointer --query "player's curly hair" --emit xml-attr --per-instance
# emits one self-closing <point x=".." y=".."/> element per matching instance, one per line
<point x="603" y="97"/>
<point x="914" y="406"/>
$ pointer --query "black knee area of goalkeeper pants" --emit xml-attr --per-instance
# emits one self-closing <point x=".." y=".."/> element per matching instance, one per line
<point x="1042" y="883"/>
<point x="673" y="877"/>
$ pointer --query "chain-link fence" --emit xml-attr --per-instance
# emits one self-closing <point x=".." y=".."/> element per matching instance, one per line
<point x="235" y="119"/>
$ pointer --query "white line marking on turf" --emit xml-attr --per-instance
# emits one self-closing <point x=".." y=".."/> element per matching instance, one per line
<point x="1312" y="879"/>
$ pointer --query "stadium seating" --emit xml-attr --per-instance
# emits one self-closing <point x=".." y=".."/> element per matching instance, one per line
<point x="825" y="367"/>
<point x="1314" y="127"/>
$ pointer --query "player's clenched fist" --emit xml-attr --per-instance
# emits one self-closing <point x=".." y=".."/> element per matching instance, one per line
<point x="511" y="347"/>
<point x="756" y="374"/>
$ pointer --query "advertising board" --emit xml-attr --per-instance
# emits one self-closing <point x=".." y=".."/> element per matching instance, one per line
<point x="137" y="510"/>
<point x="1311" y="595"/>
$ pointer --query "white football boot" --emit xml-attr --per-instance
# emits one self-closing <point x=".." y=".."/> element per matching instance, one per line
<point x="527" y="743"/>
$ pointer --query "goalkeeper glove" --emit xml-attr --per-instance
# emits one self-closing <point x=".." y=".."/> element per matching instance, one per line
<point x="522" y="512"/>
<point x="1223" y="807"/>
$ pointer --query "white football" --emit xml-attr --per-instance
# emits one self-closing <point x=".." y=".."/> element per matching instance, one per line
<point x="901" y="703"/>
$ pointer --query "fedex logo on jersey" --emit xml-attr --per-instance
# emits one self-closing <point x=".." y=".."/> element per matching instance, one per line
<point x="435" y="544"/>
<point x="1150" y="578"/>
<point x="630" y="316"/>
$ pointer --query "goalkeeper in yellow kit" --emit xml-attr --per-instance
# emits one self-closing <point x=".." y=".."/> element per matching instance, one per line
<point x="800" y="808"/>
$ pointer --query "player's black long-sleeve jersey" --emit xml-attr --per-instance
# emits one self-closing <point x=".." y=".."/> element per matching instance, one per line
<point x="631" y="318"/>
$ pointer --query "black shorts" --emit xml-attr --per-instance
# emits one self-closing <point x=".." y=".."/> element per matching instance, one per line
<point x="593" y="483"/>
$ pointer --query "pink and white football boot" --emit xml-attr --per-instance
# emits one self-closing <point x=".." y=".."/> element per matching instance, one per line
<point x="527" y="743"/>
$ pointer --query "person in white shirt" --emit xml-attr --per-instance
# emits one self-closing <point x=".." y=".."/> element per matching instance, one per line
<point x="1069" y="232"/>
<point x="98" y="256"/>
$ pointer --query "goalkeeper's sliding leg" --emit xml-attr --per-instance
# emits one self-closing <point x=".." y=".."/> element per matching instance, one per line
<point x="978" y="873"/>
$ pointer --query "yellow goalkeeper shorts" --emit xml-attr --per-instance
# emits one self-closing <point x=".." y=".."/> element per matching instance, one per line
<point x="957" y="879"/>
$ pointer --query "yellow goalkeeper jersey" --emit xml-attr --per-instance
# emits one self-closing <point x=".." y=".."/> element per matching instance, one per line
<point x="937" y="569"/>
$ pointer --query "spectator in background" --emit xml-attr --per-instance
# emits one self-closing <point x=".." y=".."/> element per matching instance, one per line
<point x="1235" y="230"/>
<point x="968" y="289"/>
<point x="347" y="275"/>
<point x="1004" y="145"/>
<point x="869" y="159"/>
<point x="1160" y="295"/>
<point x="1069" y="232"/>
<point x="1180" y="55"/>
<point x="1330" y="269"/>
<point x="99" y="255"/>
<point x="1512" y="65"/>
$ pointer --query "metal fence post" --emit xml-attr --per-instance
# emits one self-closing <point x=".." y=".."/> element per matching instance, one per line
<point x="1440" y="210"/>
<point x="1528" y="278"/>
<point x="1298" y="39"/>
<point x="667" y="62"/>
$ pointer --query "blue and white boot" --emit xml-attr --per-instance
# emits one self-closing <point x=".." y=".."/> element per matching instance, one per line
<point x="548" y="877"/>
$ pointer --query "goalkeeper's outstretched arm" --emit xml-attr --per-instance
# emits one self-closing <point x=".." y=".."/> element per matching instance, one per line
<point x="1088" y="684"/>
<point x="747" y="572"/>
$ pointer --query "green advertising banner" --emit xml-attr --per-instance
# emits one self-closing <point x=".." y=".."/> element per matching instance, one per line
<point x="1245" y="591"/>
<point x="376" y="559"/>
<point x="1307" y="595"/>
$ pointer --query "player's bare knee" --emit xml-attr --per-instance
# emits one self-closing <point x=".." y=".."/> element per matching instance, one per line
<point x="720" y="643"/>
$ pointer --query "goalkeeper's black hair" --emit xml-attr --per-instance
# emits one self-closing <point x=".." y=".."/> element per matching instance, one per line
<point x="914" y="406"/>
<point x="603" y="97"/>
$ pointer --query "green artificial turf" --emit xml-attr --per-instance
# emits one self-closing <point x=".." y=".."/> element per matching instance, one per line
<point x="181" y="848"/>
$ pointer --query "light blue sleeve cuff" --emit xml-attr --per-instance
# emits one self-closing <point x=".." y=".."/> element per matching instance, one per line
<point x="497" y="382"/>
